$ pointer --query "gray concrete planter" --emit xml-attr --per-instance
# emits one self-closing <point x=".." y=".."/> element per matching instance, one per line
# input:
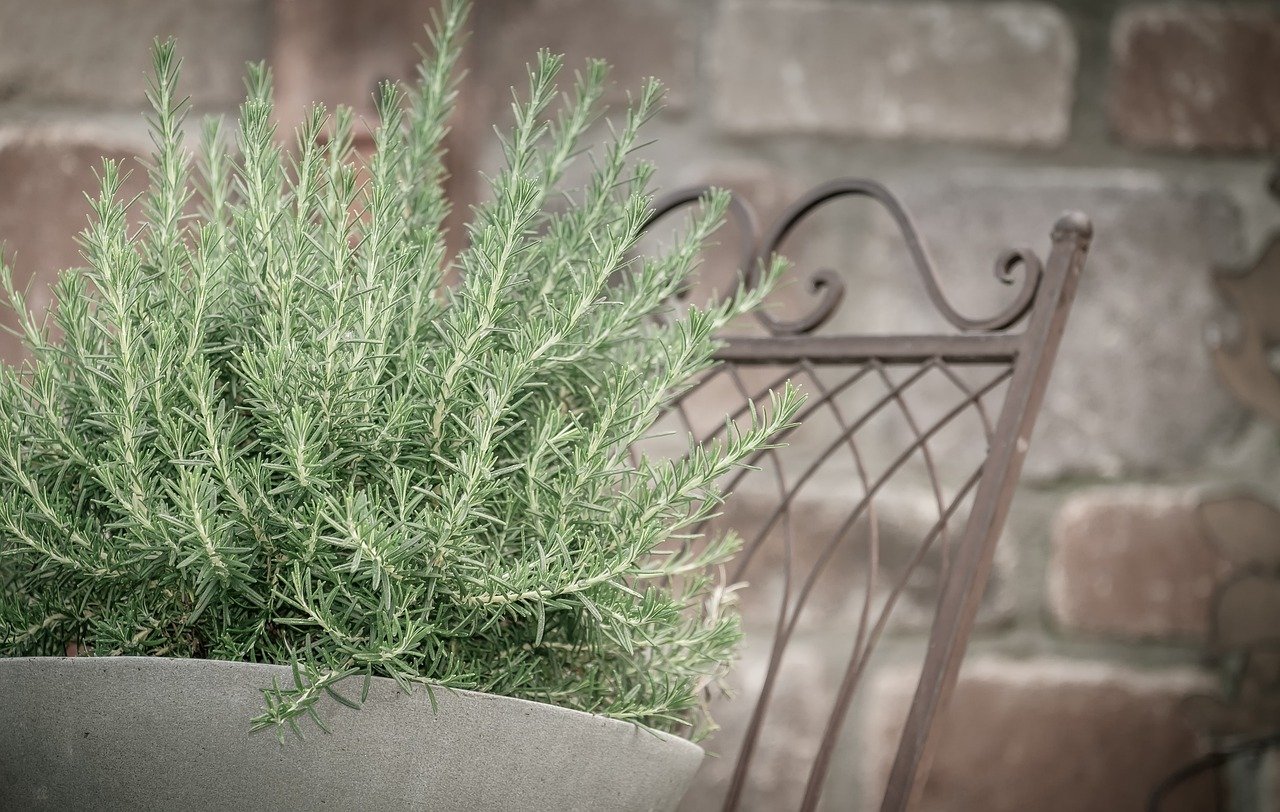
<point x="149" y="733"/>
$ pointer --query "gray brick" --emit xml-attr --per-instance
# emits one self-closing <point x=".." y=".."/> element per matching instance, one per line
<point x="1133" y="392"/>
<point x="639" y="38"/>
<point x="1196" y="76"/>
<point x="88" y="52"/>
<point x="997" y="72"/>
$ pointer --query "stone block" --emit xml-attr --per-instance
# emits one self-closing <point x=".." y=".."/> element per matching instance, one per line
<point x="1044" y="734"/>
<point x="97" y="54"/>
<point x="336" y="53"/>
<point x="992" y="72"/>
<point x="1132" y="562"/>
<point x="1196" y="76"/>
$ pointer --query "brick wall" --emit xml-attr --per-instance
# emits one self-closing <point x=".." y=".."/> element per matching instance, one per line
<point x="989" y="118"/>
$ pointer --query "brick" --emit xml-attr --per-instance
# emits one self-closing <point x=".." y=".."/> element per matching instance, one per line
<point x="43" y="178"/>
<point x="639" y="39"/>
<point x="992" y="72"/>
<point x="904" y="518"/>
<point x="335" y="52"/>
<point x="1131" y="562"/>
<point x="1143" y="301"/>
<point x="1045" y="734"/>
<point x="1244" y="528"/>
<point x="1141" y="308"/>
<point x="98" y="54"/>
<point x="1196" y="76"/>
<point x="761" y="185"/>
<point x="1246" y="613"/>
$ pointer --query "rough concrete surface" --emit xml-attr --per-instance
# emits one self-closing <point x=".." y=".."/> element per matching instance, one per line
<point x="147" y="733"/>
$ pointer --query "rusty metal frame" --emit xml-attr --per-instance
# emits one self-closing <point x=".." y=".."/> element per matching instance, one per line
<point x="1040" y="307"/>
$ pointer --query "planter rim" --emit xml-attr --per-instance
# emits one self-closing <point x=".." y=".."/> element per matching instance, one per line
<point x="484" y="696"/>
<point x="171" y="733"/>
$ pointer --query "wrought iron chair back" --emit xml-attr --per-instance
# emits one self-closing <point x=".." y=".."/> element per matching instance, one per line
<point x="996" y="369"/>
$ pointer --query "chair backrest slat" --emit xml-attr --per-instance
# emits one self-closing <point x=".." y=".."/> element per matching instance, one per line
<point x="883" y="411"/>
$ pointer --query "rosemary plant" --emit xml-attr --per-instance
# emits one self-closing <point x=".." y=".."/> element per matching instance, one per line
<point x="260" y="428"/>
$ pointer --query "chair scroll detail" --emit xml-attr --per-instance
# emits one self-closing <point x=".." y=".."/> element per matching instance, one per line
<point x="1013" y="350"/>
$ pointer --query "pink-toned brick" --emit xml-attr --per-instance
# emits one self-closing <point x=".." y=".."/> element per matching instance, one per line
<point x="1131" y="562"/>
<point x="1045" y="734"/>
<point x="43" y="179"/>
<point x="336" y="52"/>
<point x="1196" y="76"/>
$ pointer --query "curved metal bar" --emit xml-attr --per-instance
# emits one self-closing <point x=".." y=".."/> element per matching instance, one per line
<point x="925" y="452"/>
<point x="1209" y="761"/>
<point x="857" y="663"/>
<point x="739" y="210"/>
<point x="738" y="782"/>
<point x="828" y="285"/>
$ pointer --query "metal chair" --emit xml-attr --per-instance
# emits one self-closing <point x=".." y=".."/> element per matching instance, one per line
<point x="986" y="373"/>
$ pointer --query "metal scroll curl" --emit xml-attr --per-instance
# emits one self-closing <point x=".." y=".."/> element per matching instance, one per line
<point x="826" y="284"/>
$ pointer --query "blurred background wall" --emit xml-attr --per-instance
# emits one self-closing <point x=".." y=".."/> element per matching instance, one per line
<point x="988" y="118"/>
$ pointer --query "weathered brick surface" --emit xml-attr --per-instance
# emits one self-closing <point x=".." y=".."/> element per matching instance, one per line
<point x="336" y="52"/>
<point x="1248" y="612"/>
<point x="1245" y="529"/>
<point x="1196" y="76"/>
<point x="43" y="178"/>
<point x="640" y="38"/>
<point x="97" y="54"/>
<point x="1131" y="562"/>
<point x="1133" y="390"/>
<point x="998" y="72"/>
<point x="1138" y="317"/>
<point x="767" y="190"/>
<point x="1047" y="735"/>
